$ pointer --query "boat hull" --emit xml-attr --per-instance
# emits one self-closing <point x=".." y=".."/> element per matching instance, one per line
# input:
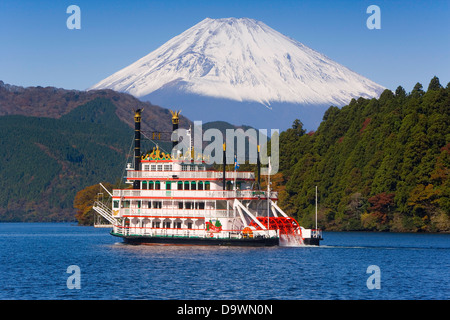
<point x="243" y="242"/>
<point x="311" y="241"/>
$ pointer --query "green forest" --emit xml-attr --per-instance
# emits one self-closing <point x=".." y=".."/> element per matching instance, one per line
<point x="379" y="164"/>
<point x="44" y="162"/>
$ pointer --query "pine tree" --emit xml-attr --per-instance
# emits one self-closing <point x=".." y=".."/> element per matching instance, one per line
<point x="417" y="90"/>
<point x="434" y="84"/>
<point x="400" y="92"/>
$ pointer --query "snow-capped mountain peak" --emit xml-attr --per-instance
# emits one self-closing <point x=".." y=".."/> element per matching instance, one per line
<point x="242" y="60"/>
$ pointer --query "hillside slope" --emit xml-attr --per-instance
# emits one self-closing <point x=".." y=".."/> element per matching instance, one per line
<point x="44" y="161"/>
<point x="53" y="102"/>
<point x="379" y="164"/>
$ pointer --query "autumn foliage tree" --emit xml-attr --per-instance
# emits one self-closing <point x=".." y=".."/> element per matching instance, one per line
<point x="382" y="206"/>
<point x="84" y="201"/>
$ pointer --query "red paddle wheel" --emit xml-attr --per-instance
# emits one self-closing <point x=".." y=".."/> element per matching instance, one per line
<point x="289" y="228"/>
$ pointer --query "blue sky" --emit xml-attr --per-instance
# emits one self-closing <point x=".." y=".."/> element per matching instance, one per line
<point x="36" y="47"/>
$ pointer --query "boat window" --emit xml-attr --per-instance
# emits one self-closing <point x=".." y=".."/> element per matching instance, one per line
<point x="180" y="185"/>
<point x="180" y="205"/>
<point x="146" y="167"/>
<point x="157" y="204"/>
<point x="153" y="167"/>
<point x="168" y="185"/>
<point x="207" y="186"/>
<point x="200" y="185"/>
<point x="186" y="185"/>
<point x="193" y="185"/>
<point x="126" y="203"/>
<point x="159" y="167"/>
<point x="189" y="205"/>
<point x="144" y="185"/>
<point x="156" y="224"/>
<point x="116" y="204"/>
<point x="189" y="225"/>
<point x="167" y="167"/>
<point x="150" y="185"/>
<point x="157" y="185"/>
<point x="221" y="205"/>
<point x="184" y="167"/>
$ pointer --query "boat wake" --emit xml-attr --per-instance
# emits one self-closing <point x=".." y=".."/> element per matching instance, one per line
<point x="291" y="240"/>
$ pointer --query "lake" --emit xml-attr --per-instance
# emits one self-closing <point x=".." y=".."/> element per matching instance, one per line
<point x="35" y="258"/>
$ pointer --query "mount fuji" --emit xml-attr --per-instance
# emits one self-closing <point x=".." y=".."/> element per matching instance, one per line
<point x="243" y="72"/>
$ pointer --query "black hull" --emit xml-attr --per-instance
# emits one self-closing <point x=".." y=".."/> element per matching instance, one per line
<point x="311" y="241"/>
<point x="245" y="242"/>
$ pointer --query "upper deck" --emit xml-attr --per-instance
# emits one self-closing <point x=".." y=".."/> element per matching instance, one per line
<point x="193" y="194"/>
<point x="189" y="175"/>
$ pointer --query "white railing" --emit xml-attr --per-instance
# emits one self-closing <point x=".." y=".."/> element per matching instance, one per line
<point x="104" y="211"/>
<point x="214" y="194"/>
<point x="168" y="232"/>
<point x="189" y="175"/>
<point x="311" y="233"/>
<point x="189" y="233"/>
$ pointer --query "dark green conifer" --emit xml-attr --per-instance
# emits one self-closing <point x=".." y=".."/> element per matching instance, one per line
<point x="434" y="84"/>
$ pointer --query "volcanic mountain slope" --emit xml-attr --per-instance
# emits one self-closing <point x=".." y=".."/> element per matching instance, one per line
<point x="219" y="62"/>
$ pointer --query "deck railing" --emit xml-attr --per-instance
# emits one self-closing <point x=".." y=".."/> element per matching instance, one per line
<point x="191" y="194"/>
<point x="189" y="175"/>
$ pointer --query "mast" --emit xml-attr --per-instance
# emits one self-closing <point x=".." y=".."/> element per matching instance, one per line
<point x="224" y="160"/>
<point x="137" y="145"/>
<point x="236" y="166"/>
<point x="316" y="211"/>
<point x="268" y="194"/>
<point x="258" y="177"/>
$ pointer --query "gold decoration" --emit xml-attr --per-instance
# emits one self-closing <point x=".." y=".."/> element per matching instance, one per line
<point x="137" y="115"/>
<point x="156" y="154"/>
<point x="175" y="116"/>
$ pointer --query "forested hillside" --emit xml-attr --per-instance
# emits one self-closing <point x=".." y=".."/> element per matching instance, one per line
<point x="53" y="103"/>
<point x="54" y="142"/>
<point x="44" y="161"/>
<point x="380" y="164"/>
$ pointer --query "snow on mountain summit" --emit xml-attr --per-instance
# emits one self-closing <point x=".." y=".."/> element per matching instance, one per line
<point x="242" y="60"/>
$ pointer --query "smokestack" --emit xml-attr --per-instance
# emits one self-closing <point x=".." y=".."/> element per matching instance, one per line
<point x="137" y="145"/>
<point x="224" y="164"/>
<point x="175" y="121"/>
<point x="258" y="164"/>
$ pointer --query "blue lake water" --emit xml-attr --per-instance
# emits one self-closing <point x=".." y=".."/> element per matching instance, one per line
<point x="35" y="256"/>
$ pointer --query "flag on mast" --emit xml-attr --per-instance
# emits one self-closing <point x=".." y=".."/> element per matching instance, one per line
<point x="236" y="164"/>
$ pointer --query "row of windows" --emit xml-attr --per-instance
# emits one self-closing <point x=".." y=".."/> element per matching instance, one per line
<point x="186" y="185"/>
<point x="168" y="224"/>
<point x="186" y="167"/>
<point x="168" y="167"/>
<point x="157" y="167"/>
<point x="158" y="204"/>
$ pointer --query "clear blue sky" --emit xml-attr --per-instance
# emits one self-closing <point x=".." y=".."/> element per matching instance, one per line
<point x="36" y="48"/>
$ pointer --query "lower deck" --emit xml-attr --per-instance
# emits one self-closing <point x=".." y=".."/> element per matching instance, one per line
<point x="203" y="241"/>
